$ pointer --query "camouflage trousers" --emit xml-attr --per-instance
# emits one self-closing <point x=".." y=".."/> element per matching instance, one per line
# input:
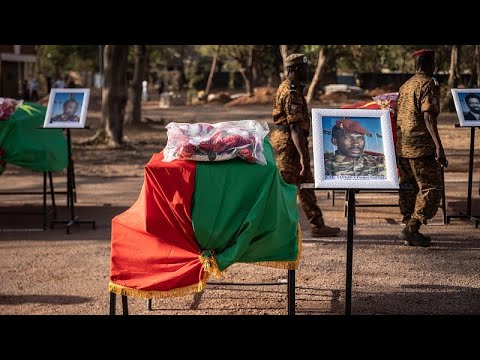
<point x="288" y="163"/>
<point x="425" y="175"/>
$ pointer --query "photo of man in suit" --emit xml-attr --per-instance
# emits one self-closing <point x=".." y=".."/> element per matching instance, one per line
<point x="473" y="104"/>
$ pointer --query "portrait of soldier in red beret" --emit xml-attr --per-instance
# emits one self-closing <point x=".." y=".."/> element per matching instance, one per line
<point x="350" y="157"/>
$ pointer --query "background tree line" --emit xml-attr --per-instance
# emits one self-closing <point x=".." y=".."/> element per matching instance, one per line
<point x="124" y="68"/>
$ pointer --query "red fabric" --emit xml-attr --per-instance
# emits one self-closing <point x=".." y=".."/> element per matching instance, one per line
<point x="374" y="105"/>
<point x="153" y="242"/>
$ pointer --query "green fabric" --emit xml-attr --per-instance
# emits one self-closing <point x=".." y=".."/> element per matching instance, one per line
<point x="22" y="143"/>
<point x="245" y="212"/>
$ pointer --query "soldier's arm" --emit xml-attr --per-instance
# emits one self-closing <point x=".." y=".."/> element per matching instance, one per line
<point x="431" y="122"/>
<point x="294" y="110"/>
<point x="430" y="108"/>
<point x="299" y="140"/>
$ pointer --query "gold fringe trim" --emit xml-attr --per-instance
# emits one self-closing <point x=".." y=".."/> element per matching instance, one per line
<point x="210" y="266"/>
<point x="155" y="294"/>
<point x="287" y="265"/>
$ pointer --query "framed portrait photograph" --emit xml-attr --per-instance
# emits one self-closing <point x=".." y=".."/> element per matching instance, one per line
<point x="67" y="108"/>
<point x="353" y="149"/>
<point x="467" y="104"/>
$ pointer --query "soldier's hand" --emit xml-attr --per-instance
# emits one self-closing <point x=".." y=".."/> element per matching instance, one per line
<point x="440" y="157"/>
<point x="302" y="170"/>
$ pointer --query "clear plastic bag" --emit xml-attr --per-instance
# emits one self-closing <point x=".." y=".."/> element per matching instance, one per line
<point x="8" y="107"/>
<point x="216" y="142"/>
<point x="387" y="101"/>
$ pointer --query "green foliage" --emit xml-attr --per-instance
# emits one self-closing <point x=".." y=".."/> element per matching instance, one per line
<point x="374" y="58"/>
<point x="56" y="59"/>
<point x="160" y="55"/>
<point x="193" y="74"/>
<point x="195" y="60"/>
<point x="370" y="58"/>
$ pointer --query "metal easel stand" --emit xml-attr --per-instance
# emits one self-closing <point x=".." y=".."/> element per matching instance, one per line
<point x="71" y="194"/>
<point x="468" y="213"/>
<point x="45" y="211"/>
<point x="349" y="266"/>
<point x="350" y="209"/>
<point x="290" y="294"/>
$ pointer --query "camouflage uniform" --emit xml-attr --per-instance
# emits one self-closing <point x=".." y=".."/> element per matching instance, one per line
<point x="365" y="165"/>
<point x="416" y="149"/>
<point x="289" y="107"/>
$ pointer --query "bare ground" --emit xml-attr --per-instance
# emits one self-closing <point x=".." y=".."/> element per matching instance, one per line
<point x="49" y="272"/>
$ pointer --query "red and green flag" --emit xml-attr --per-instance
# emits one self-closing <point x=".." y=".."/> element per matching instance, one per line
<point x="193" y="219"/>
<point x="23" y="142"/>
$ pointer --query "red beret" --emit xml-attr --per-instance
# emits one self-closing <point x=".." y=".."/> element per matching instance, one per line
<point x="422" y="52"/>
<point x="351" y="126"/>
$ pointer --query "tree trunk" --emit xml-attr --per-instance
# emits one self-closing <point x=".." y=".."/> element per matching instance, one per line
<point x="284" y="53"/>
<point x="212" y="71"/>
<point x="134" y="108"/>
<point x="248" y="87"/>
<point x="473" y="78"/>
<point x="453" y="77"/>
<point x="454" y="72"/>
<point x="114" y="93"/>
<point x="183" y="77"/>
<point x="477" y="64"/>
<point x="322" y="56"/>
<point x="247" y="74"/>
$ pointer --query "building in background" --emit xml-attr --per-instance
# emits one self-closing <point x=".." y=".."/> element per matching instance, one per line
<point x="17" y="63"/>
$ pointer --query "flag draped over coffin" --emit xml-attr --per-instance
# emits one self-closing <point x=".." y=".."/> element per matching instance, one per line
<point x="193" y="219"/>
<point x="384" y="101"/>
<point x="24" y="143"/>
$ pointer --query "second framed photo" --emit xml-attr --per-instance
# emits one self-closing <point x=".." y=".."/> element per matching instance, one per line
<point x="353" y="149"/>
<point x="467" y="104"/>
<point x="67" y="108"/>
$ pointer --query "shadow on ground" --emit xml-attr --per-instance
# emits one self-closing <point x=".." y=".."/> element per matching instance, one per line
<point x="42" y="299"/>
<point x="26" y="222"/>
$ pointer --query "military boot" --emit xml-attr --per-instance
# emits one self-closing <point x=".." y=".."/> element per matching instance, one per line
<point x="412" y="236"/>
<point x="319" y="229"/>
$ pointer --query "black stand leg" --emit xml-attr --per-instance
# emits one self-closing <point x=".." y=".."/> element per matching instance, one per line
<point x="291" y="292"/>
<point x="345" y="208"/>
<point x="468" y="213"/>
<point x="70" y="193"/>
<point x="444" y="201"/>
<point x="149" y="304"/>
<point x="350" y="223"/>
<point x="332" y="194"/>
<point x="74" y="188"/>
<point x="470" y="172"/>
<point x="125" y="304"/>
<point x="113" y="299"/>
<point x="52" y="195"/>
<point x="45" y="200"/>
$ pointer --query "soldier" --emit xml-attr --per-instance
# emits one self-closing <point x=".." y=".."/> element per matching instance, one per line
<point x="349" y="158"/>
<point x="419" y="149"/>
<point x="290" y="143"/>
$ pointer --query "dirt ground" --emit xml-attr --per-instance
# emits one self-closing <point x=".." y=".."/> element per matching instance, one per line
<point x="50" y="272"/>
